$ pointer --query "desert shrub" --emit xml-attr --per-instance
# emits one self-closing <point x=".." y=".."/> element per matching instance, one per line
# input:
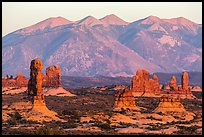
<point x="32" y="122"/>
<point x="17" y="115"/>
<point x="159" y="113"/>
<point x="69" y="124"/>
<point x="192" y="130"/>
<point x="122" y="111"/>
<point x="47" y="131"/>
<point x="126" y="124"/>
<point x="68" y="112"/>
<point x="105" y="125"/>
<point x="12" y="121"/>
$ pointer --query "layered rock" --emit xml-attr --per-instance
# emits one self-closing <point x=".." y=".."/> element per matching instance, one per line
<point x="185" y="81"/>
<point x="183" y="90"/>
<point x="53" y="76"/>
<point x="171" y="105"/>
<point x="6" y="77"/>
<point x="125" y="100"/>
<point x="35" y="91"/>
<point x="19" y="81"/>
<point x="51" y="79"/>
<point x="39" y="110"/>
<point x="197" y="88"/>
<point x="168" y="104"/>
<point x="143" y="85"/>
<point x="8" y="82"/>
<point x="172" y="83"/>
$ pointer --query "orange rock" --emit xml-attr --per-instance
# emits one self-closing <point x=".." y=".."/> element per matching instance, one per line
<point x="125" y="100"/>
<point x="183" y="90"/>
<point x="172" y="83"/>
<point x="21" y="80"/>
<point x="185" y="80"/>
<point x="53" y="76"/>
<point x="169" y="104"/>
<point x="39" y="110"/>
<point x="35" y="82"/>
<point x="141" y="83"/>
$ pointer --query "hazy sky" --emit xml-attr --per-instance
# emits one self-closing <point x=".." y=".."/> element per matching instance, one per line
<point x="16" y="15"/>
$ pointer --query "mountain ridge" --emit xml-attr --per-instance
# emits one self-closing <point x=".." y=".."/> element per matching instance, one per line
<point x="91" y="46"/>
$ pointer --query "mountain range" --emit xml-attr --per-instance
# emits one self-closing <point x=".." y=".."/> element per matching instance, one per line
<point x="108" y="46"/>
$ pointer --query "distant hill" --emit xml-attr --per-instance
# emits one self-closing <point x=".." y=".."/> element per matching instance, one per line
<point x="195" y="78"/>
<point x="164" y="78"/>
<point x="83" y="82"/>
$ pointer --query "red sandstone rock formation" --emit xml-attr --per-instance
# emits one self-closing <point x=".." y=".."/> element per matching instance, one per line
<point x="125" y="100"/>
<point x="35" y="82"/>
<point x="51" y="79"/>
<point x="53" y="76"/>
<point x="21" y="80"/>
<point x="141" y="83"/>
<point x="169" y="104"/>
<point x="183" y="90"/>
<point x="197" y="88"/>
<point x="39" y="110"/>
<point x="172" y="84"/>
<point x="185" y="81"/>
<point x="7" y="82"/>
<point x="6" y="77"/>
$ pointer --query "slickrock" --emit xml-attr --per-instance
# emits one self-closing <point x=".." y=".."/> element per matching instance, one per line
<point x="142" y="85"/>
<point x="39" y="111"/>
<point x="125" y="100"/>
<point x="60" y="91"/>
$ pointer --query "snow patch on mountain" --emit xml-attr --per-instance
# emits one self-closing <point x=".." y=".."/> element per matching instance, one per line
<point x="169" y="40"/>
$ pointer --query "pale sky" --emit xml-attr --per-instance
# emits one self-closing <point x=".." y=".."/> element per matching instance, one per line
<point x="17" y="15"/>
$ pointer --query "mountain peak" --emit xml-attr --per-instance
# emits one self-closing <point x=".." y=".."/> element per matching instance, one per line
<point x="113" y="20"/>
<point x="89" y="21"/>
<point x="150" y="20"/>
<point x="50" y="22"/>
<point x="179" y="20"/>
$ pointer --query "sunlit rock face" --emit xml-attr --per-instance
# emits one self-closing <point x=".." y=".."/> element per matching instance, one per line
<point x="183" y="90"/>
<point x="35" y="91"/>
<point x="39" y="111"/>
<point x="172" y="83"/>
<point x="125" y="100"/>
<point x="169" y="104"/>
<point x="19" y="81"/>
<point x="142" y="84"/>
<point x="53" y="77"/>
